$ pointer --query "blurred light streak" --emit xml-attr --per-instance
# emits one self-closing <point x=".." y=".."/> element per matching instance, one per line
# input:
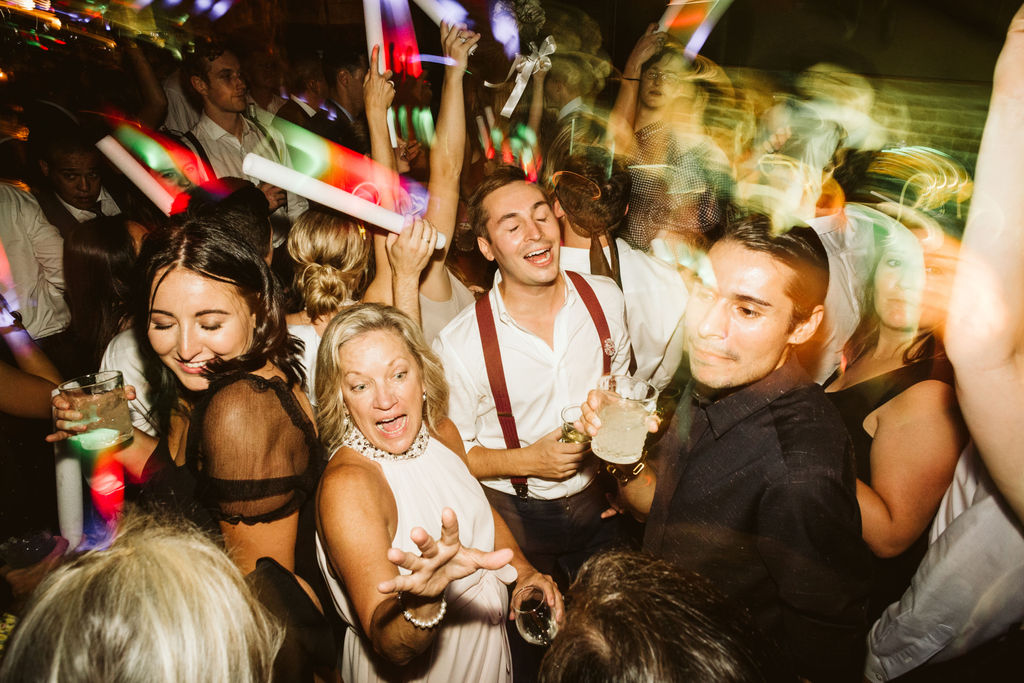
<point x="505" y="30"/>
<point x="700" y="35"/>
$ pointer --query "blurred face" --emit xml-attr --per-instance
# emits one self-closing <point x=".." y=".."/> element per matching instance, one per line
<point x="224" y="90"/>
<point x="738" y="328"/>
<point x="75" y="178"/>
<point x="382" y="386"/>
<point x="524" y="234"/>
<point x="193" y="320"/>
<point x="664" y="82"/>
<point x="913" y="281"/>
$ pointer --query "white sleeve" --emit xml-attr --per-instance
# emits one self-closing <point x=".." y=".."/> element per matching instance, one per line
<point x="47" y="244"/>
<point x="463" y="400"/>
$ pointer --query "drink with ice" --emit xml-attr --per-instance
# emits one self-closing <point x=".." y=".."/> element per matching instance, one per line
<point x="626" y="403"/>
<point x="623" y="432"/>
<point x="100" y="399"/>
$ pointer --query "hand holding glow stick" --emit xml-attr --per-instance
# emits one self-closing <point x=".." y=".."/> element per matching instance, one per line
<point x="375" y="36"/>
<point x="322" y="193"/>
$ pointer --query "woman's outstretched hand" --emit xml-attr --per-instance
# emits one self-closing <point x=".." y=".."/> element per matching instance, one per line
<point x="440" y="561"/>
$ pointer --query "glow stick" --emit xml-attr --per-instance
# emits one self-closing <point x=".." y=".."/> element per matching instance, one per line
<point x="375" y="36"/>
<point x="671" y="12"/>
<point x="450" y="12"/>
<point x="136" y="173"/>
<point x="317" y="191"/>
<point x="702" y="32"/>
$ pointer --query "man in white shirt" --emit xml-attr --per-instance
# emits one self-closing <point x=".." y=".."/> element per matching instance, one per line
<point x="591" y="194"/>
<point x="74" y="191"/>
<point x="544" y="336"/>
<point x="224" y="136"/>
<point x="31" y="264"/>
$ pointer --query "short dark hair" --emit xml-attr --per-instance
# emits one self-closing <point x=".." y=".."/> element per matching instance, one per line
<point x="346" y="57"/>
<point x="303" y="70"/>
<point x="197" y="62"/>
<point x="210" y="244"/>
<point x="798" y="246"/>
<point x="60" y="143"/>
<point x="244" y="205"/>
<point x="610" y="176"/>
<point x="670" y="49"/>
<point x="497" y="179"/>
<point x="632" y="618"/>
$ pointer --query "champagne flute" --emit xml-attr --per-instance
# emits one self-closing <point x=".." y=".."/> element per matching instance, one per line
<point x="534" y="618"/>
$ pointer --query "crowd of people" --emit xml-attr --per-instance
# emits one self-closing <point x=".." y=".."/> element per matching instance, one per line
<point x="348" y="454"/>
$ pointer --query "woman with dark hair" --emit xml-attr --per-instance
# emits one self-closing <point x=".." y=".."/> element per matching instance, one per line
<point x="99" y="260"/>
<point x="895" y="393"/>
<point x="239" y="452"/>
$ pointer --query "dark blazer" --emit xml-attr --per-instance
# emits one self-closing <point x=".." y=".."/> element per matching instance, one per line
<point x="335" y="126"/>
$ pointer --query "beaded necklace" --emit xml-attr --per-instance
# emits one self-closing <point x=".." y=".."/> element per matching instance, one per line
<point x="355" y="440"/>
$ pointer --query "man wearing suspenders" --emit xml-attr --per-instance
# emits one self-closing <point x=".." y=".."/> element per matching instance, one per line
<point x="536" y="343"/>
<point x="224" y="135"/>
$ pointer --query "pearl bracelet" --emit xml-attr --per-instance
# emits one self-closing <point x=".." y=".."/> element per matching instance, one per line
<point x="425" y="625"/>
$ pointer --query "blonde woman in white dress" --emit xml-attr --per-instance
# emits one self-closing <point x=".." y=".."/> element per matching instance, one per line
<point x="416" y="559"/>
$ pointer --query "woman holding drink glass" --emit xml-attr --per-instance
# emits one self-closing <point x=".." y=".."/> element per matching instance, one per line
<point x="240" y="453"/>
<point x="405" y="534"/>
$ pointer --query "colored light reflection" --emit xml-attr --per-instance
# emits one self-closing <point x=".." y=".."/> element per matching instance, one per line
<point x="404" y="51"/>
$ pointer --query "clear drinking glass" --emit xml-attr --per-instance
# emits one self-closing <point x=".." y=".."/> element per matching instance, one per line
<point x="626" y="404"/>
<point x="570" y="415"/>
<point x="101" y="400"/>
<point x="534" y="619"/>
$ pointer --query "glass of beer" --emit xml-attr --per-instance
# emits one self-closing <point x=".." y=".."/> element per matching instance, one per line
<point x="100" y="398"/>
<point x="570" y="415"/>
<point x="534" y="619"/>
<point x="626" y="404"/>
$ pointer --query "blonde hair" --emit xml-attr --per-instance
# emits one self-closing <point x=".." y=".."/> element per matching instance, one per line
<point x="332" y="416"/>
<point x="332" y="256"/>
<point x="163" y="604"/>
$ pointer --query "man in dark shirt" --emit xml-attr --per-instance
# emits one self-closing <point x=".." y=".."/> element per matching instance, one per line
<point x="755" y="486"/>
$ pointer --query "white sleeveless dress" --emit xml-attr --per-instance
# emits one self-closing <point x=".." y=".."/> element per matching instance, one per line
<point x="471" y="643"/>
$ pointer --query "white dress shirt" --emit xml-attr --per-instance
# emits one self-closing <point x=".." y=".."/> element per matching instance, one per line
<point x="966" y="591"/>
<point x="541" y="379"/>
<point x="181" y="115"/>
<point x="122" y="354"/>
<point x="310" y="347"/>
<point x="107" y="205"/>
<point x="226" y="154"/>
<point x="31" y="264"/>
<point x="655" y="298"/>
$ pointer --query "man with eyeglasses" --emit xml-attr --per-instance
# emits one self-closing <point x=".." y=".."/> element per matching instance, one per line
<point x="658" y="120"/>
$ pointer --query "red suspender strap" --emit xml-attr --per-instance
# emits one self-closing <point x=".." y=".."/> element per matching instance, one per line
<point x="597" y="315"/>
<point x="496" y="371"/>
<point x="496" y="378"/>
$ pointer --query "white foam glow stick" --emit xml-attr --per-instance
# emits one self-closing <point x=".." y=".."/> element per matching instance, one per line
<point x="375" y="36"/>
<point x="450" y="12"/>
<point x="318" y="191"/>
<point x="671" y="12"/>
<point x="136" y="173"/>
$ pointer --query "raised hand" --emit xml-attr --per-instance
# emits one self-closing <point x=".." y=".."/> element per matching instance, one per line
<point x="378" y="88"/>
<point x="650" y="42"/>
<point x="440" y="561"/>
<point x="457" y="42"/>
<point x="409" y="252"/>
<point x="276" y="197"/>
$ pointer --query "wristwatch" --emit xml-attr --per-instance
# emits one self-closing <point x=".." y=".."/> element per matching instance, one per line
<point x="627" y="473"/>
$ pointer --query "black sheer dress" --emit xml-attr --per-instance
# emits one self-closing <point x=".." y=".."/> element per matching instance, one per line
<point x="252" y="456"/>
<point x="891" y="575"/>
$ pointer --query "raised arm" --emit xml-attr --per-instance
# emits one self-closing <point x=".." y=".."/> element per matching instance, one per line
<point x="985" y="338"/>
<point x="378" y="93"/>
<point x="27" y="387"/>
<point x="913" y="454"/>
<point x="623" y="114"/>
<point x="446" y="156"/>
